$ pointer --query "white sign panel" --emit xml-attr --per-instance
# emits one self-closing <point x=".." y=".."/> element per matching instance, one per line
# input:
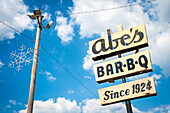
<point x="131" y="90"/>
<point x="123" y="67"/>
<point x="120" y="42"/>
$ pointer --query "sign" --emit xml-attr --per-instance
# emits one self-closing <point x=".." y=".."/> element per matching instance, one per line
<point x="123" y="67"/>
<point x="131" y="90"/>
<point x="120" y="42"/>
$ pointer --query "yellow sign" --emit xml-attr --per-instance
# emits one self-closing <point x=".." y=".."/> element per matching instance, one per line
<point x="123" y="67"/>
<point x="131" y="90"/>
<point x="120" y="42"/>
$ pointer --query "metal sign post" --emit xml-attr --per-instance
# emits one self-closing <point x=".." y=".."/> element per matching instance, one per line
<point x="128" y="103"/>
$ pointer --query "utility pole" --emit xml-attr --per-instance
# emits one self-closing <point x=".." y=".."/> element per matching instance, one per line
<point x="34" y="66"/>
<point x="36" y="16"/>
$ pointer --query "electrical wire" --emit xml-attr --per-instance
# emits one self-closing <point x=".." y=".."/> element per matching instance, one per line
<point x="74" y="14"/>
<point x="56" y="62"/>
<point x="67" y="71"/>
<point x="100" y="10"/>
<point x="17" y="30"/>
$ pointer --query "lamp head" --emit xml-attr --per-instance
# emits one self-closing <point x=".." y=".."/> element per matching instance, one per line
<point x="32" y="16"/>
<point x="50" y="23"/>
<point x="37" y="12"/>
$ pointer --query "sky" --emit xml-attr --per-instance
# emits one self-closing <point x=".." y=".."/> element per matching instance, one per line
<point x="65" y="81"/>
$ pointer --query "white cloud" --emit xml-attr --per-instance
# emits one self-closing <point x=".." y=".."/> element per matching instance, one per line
<point x="14" y="14"/>
<point x="164" y="10"/>
<point x="48" y="74"/>
<point x="51" y="78"/>
<point x="151" y="15"/>
<point x="61" y="105"/>
<point x="160" y="109"/>
<point x="8" y="106"/>
<point x="94" y="106"/>
<point x="12" y="102"/>
<point x="160" y="49"/>
<point x="1" y="64"/>
<point x="14" y="111"/>
<point x="157" y="76"/>
<point x="64" y="30"/>
<point x="47" y="16"/>
<point x="98" y="23"/>
<point x="70" y="91"/>
<point x="46" y="7"/>
<point x="87" y="77"/>
<point x="20" y="103"/>
<point x="88" y="62"/>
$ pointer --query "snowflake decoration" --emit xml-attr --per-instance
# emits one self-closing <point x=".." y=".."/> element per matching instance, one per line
<point x="20" y="58"/>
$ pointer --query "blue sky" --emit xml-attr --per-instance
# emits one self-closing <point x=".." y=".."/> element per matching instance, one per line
<point x="67" y="41"/>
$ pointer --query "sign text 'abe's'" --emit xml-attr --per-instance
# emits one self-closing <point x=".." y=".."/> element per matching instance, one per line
<point x="119" y="42"/>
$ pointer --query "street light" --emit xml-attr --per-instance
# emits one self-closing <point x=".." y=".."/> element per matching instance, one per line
<point x="36" y="16"/>
<point x="31" y="15"/>
<point x="50" y="23"/>
<point x="37" y="12"/>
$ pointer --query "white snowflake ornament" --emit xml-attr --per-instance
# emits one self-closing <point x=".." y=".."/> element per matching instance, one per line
<point x="23" y="57"/>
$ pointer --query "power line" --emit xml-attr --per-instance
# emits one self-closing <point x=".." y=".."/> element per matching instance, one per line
<point x="71" y="74"/>
<point x="55" y="61"/>
<point x="67" y="71"/>
<point x="100" y="10"/>
<point x="17" y="30"/>
<point x="84" y="12"/>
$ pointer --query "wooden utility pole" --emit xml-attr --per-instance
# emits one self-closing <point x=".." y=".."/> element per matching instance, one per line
<point x="34" y="66"/>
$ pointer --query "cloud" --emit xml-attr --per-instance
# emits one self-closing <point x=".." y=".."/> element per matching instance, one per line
<point x="47" y="16"/>
<point x="88" y="62"/>
<point x="151" y="14"/>
<point x="98" y="23"/>
<point x="48" y="74"/>
<point x="51" y="78"/>
<point x="12" y="102"/>
<point x="20" y="103"/>
<point x="94" y="106"/>
<point x="87" y="77"/>
<point x="157" y="77"/>
<point x="64" y="29"/>
<point x="14" y="111"/>
<point x="46" y="7"/>
<point x="70" y="91"/>
<point x="14" y="14"/>
<point x="8" y="106"/>
<point x="164" y="10"/>
<point x="160" y="49"/>
<point x="160" y="109"/>
<point x="60" y="105"/>
<point x="1" y="64"/>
